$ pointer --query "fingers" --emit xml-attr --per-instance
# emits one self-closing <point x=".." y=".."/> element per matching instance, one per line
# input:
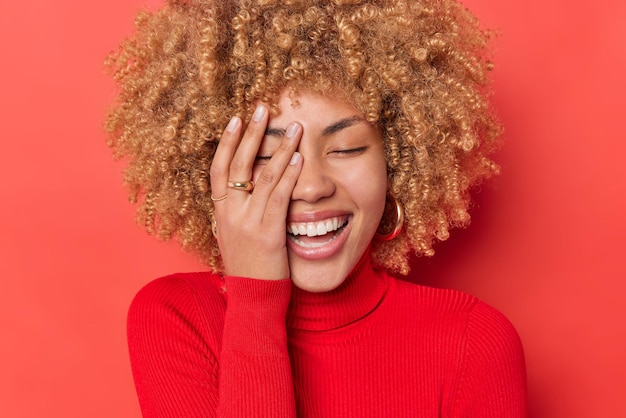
<point x="220" y="166"/>
<point x="251" y="225"/>
<point x="243" y="160"/>
<point x="276" y="181"/>
<point x="235" y="157"/>
<point x="277" y="205"/>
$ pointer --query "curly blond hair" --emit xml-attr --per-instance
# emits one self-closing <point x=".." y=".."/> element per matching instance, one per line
<point x="416" y="69"/>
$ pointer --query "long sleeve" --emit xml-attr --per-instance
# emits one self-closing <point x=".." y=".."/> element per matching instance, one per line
<point x="173" y="357"/>
<point x="255" y="376"/>
<point x="197" y="352"/>
<point x="492" y="380"/>
<point x="203" y="346"/>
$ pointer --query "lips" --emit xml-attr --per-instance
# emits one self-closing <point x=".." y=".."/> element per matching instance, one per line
<point x="318" y="239"/>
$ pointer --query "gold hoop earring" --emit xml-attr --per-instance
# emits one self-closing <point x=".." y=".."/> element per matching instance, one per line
<point x="381" y="236"/>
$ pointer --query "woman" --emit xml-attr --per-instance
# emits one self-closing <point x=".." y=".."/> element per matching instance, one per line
<point x="302" y="150"/>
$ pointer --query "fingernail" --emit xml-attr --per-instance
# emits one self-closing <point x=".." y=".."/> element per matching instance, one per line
<point x="233" y="124"/>
<point x="259" y="113"/>
<point x="295" y="158"/>
<point x="292" y="130"/>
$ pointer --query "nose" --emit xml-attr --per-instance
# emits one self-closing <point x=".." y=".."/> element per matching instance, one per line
<point x="314" y="182"/>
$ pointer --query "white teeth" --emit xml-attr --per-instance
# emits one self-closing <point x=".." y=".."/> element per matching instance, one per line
<point x="314" y="229"/>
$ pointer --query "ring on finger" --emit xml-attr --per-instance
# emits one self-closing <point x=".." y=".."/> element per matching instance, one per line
<point x="244" y="186"/>
<point x="217" y="199"/>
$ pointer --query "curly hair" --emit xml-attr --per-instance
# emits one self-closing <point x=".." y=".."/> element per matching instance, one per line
<point x="416" y="69"/>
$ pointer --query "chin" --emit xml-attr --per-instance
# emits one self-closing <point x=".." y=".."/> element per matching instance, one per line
<point x="317" y="282"/>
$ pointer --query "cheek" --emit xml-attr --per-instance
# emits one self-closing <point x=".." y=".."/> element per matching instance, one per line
<point x="369" y="188"/>
<point x="378" y="174"/>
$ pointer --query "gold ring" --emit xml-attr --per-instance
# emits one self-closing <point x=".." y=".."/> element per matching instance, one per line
<point x="244" y="186"/>
<point x="217" y="199"/>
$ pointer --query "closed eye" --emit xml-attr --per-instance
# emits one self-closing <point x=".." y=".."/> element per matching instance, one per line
<point x="262" y="159"/>
<point x="350" y="151"/>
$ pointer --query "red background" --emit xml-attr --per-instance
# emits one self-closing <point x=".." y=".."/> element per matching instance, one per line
<point x="546" y="245"/>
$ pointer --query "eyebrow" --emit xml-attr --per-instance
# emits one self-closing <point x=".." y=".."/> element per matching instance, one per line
<point x="329" y="130"/>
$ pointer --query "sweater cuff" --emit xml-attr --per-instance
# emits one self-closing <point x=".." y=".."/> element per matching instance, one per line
<point x="256" y="312"/>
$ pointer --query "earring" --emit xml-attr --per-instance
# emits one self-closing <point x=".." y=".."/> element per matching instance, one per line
<point x="381" y="236"/>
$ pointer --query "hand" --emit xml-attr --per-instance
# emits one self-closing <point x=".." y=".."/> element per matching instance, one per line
<point x="251" y="226"/>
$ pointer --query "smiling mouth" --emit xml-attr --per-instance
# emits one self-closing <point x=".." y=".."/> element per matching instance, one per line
<point x="316" y="234"/>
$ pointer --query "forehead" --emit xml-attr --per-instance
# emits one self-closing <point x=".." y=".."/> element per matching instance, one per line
<point x="312" y="108"/>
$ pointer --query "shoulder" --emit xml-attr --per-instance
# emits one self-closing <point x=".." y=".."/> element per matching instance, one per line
<point x="174" y="334"/>
<point x="492" y="345"/>
<point x="477" y="325"/>
<point x="430" y="302"/>
<point x="492" y="370"/>
<point x="189" y="303"/>
<point x="486" y="368"/>
<point x="180" y="289"/>
<point x="487" y="323"/>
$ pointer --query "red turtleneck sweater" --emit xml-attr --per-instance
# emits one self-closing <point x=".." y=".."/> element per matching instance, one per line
<point x="205" y="346"/>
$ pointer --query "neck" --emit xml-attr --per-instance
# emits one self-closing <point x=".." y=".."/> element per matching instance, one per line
<point x="357" y="296"/>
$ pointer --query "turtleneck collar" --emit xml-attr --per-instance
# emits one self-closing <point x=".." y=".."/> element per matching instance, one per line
<point x="357" y="296"/>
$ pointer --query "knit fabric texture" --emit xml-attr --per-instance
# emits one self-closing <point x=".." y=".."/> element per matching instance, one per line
<point x="202" y="345"/>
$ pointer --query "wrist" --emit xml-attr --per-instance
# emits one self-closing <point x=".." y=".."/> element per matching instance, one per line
<point x="256" y="313"/>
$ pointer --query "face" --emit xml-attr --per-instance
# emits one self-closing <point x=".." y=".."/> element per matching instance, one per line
<point x="339" y="198"/>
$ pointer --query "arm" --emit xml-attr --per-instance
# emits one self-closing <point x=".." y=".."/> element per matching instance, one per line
<point x="238" y="365"/>
<point x="255" y="376"/>
<point x="173" y="350"/>
<point x="492" y="379"/>
<point x="182" y="365"/>
<point x="251" y="231"/>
